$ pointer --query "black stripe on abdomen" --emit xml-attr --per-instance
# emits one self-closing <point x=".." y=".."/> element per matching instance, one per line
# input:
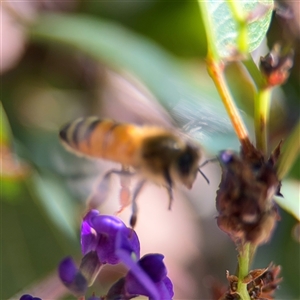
<point x="63" y="133"/>
<point x="89" y="130"/>
<point x="76" y="138"/>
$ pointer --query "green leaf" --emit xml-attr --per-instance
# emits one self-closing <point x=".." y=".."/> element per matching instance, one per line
<point x="5" y="131"/>
<point x="290" y="152"/>
<point x="225" y="29"/>
<point x="290" y="201"/>
<point x="11" y="189"/>
<point x="31" y="246"/>
<point x="167" y="79"/>
<point x="56" y="202"/>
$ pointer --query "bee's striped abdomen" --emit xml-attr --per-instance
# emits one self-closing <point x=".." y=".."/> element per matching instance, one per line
<point x="103" y="139"/>
<point x="73" y="133"/>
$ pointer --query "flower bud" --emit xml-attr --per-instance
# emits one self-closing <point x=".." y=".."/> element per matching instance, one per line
<point x="276" y="65"/>
<point x="72" y="277"/>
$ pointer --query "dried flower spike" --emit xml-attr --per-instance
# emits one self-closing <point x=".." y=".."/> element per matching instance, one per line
<point x="261" y="284"/>
<point x="247" y="212"/>
<point x="233" y="282"/>
<point x="264" y="285"/>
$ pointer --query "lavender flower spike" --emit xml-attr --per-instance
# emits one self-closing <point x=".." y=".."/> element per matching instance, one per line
<point x="99" y="232"/>
<point x="147" y="276"/>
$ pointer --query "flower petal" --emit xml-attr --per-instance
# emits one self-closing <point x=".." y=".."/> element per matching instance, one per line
<point x="89" y="237"/>
<point x="138" y="282"/>
<point x="153" y="265"/>
<point x="107" y="224"/>
<point x="166" y="289"/>
<point x="71" y="277"/>
<point x="99" y="233"/>
<point x="129" y="242"/>
<point x="29" y="297"/>
<point x="67" y="270"/>
<point x="148" y="277"/>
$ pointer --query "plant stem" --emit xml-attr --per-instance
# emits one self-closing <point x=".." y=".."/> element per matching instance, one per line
<point x="216" y="72"/>
<point x="262" y="101"/>
<point x="261" y="117"/>
<point x="215" y="69"/>
<point x="211" y="45"/>
<point x="254" y="72"/>
<point x="244" y="262"/>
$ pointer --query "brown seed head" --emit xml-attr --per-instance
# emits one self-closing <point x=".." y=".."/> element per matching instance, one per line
<point x="247" y="212"/>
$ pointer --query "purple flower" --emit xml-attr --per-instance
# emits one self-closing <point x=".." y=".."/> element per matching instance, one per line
<point x="71" y="277"/>
<point x="98" y="242"/>
<point x="29" y="297"/>
<point x="147" y="276"/>
<point x="106" y="239"/>
<point x="99" y="233"/>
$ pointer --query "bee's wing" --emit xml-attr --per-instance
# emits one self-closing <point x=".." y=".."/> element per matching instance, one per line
<point x="202" y="122"/>
<point x="125" y="99"/>
<point x="191" y="116"/>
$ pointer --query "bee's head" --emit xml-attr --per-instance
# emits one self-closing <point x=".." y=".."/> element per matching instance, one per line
<point x="187" y="164"/>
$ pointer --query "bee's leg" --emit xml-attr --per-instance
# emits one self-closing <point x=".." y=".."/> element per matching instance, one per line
<point x="208" y="161"/>
<point x="203" y="175"/>
<point x="134" y="206"/>
<point x="101" y="189"/>
<point x="169" y="188"/>
<point x="125" y="177"/>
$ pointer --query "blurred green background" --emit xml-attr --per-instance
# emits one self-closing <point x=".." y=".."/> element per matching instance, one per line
<point x="58" y="67"/>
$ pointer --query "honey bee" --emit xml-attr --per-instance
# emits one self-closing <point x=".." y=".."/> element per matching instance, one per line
<point x="156" y="153"/>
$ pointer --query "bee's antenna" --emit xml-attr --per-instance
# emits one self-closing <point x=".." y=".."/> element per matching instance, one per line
<point x="203" y="164"/>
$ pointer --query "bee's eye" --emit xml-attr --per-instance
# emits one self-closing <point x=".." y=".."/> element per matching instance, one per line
<point x="184" y="162"/>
